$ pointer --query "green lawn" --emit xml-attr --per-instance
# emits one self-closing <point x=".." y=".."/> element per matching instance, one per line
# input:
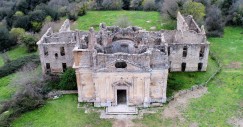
<point x="5" y="90"/>
<point x="61" y="113"/>
<point x="16" y="53"/>
<point x="224" y="99"/>
<point x="142" y="19"/>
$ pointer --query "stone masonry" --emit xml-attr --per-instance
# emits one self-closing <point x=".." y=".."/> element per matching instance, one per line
<point x="127" y="66"/>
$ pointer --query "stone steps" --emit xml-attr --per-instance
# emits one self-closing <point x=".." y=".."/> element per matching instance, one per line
<point x="121" y="110"/>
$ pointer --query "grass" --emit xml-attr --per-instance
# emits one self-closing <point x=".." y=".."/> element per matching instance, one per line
<point x="185" y="80"/>
<point x="60" y="113"/>
<point x="5" y="90"/>
<point x="15" y="53"/>
<point x="137" y="18"/>
<point x="224" y="99"/>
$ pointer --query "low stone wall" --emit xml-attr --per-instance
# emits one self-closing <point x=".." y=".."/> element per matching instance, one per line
<point x="200" y="86"/>
<point x="58" y="93"/>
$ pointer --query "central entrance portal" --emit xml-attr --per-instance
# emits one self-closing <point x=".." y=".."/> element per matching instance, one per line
<point x="121" y="97"/>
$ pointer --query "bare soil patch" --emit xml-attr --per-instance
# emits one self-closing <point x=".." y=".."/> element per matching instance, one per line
<point x="175" y="108"/>
<point x="234" y="65"/>
<point x="123" y="123"/>
<point x="236" y="122"/>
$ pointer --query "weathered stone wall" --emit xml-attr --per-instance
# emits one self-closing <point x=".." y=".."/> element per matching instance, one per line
<point x="192" y="59"/>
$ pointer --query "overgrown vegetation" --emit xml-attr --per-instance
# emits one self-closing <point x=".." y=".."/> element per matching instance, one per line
<point x="29" y="95"/>
<point x="14" y="65"/>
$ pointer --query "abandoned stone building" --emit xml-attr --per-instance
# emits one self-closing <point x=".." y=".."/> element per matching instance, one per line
<point x="124" y="66"/>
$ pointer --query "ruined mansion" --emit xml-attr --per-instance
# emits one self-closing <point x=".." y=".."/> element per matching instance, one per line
<point x="124" y="66"/>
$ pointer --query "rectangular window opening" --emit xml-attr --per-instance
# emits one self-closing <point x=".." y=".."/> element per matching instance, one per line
<point x="200" y="66"/>
<point x="64" y="67"/>
<point x="201" y="53"/>
<point x="45" y="51"/>
<point x="168" y="51"/>
<point x="62" y="51"/>
<point x="48" y="67"/>
<point x="183" y="67"/>
<point x="184" y="54"/>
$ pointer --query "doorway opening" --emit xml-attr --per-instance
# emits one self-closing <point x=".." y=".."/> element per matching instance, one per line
<point x="121" y="97"/>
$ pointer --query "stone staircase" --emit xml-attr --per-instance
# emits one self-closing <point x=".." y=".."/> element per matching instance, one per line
<point x="121" y="110"/>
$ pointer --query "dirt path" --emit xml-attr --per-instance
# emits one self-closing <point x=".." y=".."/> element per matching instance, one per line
<point x="123" y="123"/>
<point x="175" y="108"/>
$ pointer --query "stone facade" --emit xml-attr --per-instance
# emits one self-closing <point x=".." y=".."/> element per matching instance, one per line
<point x="124" y="65"/>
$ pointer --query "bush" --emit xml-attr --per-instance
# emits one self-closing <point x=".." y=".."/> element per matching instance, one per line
<point x="149" y="5"/>
<point x="14" y="65"/>
<point x="126" y="4"/>
<point x="123" y="22"/>
<point x="68" y="80"/>
<point x="30" y="42"/>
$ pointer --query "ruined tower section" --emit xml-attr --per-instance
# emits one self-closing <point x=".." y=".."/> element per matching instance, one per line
<point x="55" y="49"/>
<point x="188" y="49"/>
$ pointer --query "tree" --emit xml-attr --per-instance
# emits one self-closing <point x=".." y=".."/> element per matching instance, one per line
<point x="6" y="41"/>
<point x="22" y="22"/>
<point x="149" y="5"/>
<point x="126" y="4"/>
<point x="136" y="4"/>
<point x="68" y="80"/>
<point x="214" y="21"/>
<point x="197" y="10"/>
<point x="30" y="42"/>
<point x="171" y="7"/>
<point x="17" y="33"/>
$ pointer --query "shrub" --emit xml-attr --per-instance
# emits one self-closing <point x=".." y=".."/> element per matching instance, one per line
<point x="14" y="65"/>
<point x="19" y="13"/>
<point x="123" y="22"/>
<point x="37" y="15"/>
<point x="68" y="80"/>
<point x="36" y="26"/>
<point x="30" y="42"/>
<point x="149" y="5"/>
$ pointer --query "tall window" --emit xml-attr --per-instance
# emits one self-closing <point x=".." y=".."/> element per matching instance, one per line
<point x="183" y="67"/>
<point x="200" y="65"/>
<point x="45" y="51"/>
<point x="184" y="54"/>
<point x="62" y="51"/>
<point x="201" y="53"/>
<point x="168" y="51"/>
<point x="64" y="67"/>
<point x="48" y="67"/>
